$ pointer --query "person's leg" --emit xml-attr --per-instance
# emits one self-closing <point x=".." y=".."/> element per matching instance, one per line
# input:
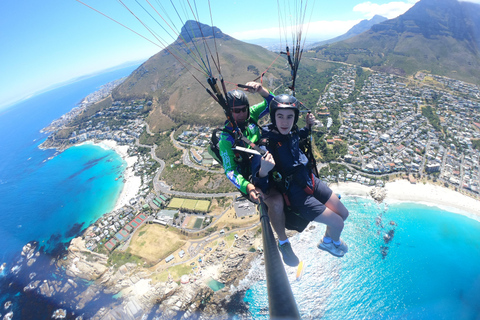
<point x="334" y="223"/>
<point x="311" y="208"/>
<point x="274" y="202"/>
<point x="337" y="206"/>
<point x="326" y="196"/>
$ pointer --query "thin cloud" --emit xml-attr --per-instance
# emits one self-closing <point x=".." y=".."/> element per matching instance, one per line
<point x="323" y="30"/>
<point x="319" y="30"/>
<point x="388" y="10"/>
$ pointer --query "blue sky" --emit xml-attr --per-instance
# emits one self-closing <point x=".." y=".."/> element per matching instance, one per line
<point x="52" y="41"/>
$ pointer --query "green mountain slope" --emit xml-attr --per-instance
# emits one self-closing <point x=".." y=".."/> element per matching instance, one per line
<point x="440" y="36"/>
<point x="178" y="98"/>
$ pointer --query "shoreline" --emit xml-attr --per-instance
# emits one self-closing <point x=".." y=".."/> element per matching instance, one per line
<point x="427" y="194"/>
<point x="132" y="182"/>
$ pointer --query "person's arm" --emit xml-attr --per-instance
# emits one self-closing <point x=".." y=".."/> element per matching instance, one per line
<point x="229" y="165"/>
<point x="255" y="87"/>
<point x="309" y="122"/>
<point x="261" y="109"/>
<point x="261" y="166"/>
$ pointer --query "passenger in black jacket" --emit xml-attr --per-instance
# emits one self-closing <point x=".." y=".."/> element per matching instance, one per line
<point x="285" y="168"/>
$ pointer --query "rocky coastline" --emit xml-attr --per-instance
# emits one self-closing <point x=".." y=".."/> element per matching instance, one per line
<point x="166" y="300"/>
<point x="378" y="194"/>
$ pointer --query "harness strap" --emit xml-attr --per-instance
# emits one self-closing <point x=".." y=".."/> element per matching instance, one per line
<point x="252" y="145"/>
<point x="285" y="197"/>
<point x="307" y="189"/>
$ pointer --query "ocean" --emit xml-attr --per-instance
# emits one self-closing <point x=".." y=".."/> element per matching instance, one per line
<point x="48" y="200"/>
<point x="429" y="269"/>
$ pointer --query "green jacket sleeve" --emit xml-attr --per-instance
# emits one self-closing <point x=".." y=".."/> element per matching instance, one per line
<point x="231" y="167"/>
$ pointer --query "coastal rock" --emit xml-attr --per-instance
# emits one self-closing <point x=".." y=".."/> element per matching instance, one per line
<point x="87" y="296"/>
<point x="28" y="250"/>
<point x="84" y="263"/>
<point x="46" y="289"/>
<point x="195" y="299"/>
<point x="31" y="286"/>
<point x="8" y="316"/>
<point x="191" y="300"/>
<point x="118" y="280"/>
<point x="31" y="261"/>
<point x="59" y="314"/>
<point x="378" y="194"/>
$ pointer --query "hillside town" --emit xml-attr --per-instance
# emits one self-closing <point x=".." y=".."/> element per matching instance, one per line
<point x="384" y="129"/>
<point x="386" y="132"/>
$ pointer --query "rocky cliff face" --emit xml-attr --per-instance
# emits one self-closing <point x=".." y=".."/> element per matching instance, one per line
<point x="166" y="299"/>
<point x="83" y="263"/>
<point x="192" y="30"/>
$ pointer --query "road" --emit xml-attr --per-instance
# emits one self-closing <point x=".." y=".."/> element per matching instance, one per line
<point x="162" y="187"/>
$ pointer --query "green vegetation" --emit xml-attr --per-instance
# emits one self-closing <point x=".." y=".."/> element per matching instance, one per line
<point x="198" y="223"/>
<point x="332" y="169"/>
<point x="166" y="150"/>
<point x="432" y="117"/>
<point x="329" y="152"/>
<point x="118" y="259"/>
<point x="476" y="143"/>
<point x="311" y="83"/>
<point x="176" y="272"/>
<point x="185" y="178"/>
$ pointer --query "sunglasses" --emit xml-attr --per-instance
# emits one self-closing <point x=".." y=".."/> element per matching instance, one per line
<point x="238" y="110"/>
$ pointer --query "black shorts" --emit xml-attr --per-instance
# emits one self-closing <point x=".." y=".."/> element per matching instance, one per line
<point x="309" y="206"/>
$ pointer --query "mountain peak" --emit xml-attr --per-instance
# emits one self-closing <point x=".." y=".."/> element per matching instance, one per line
<point x="194" y="30"/>
<point x="432" y="18"/>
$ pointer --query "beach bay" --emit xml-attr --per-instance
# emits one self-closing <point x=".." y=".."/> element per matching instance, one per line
<point x="49" y="197"/>
<point x="52" y="200"/>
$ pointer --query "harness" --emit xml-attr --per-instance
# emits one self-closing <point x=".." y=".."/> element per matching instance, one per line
<point x="283" y="182"/>
<point x="243" y="155"/>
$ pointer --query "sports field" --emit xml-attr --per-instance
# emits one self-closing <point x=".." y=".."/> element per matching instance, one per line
<point x="190" y="205"/>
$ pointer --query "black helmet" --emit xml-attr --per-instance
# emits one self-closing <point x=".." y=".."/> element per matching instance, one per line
<point x="283" y="101"/>
<point x="237" y="98"/>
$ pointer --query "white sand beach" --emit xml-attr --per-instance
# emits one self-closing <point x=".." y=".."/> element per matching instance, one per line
<point x="132" y="182"/>
<point x="429" y="194"/>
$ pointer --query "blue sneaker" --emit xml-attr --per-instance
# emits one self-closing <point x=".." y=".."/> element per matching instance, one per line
<point x="289" y="257"/>
<point x="337" y="251"/>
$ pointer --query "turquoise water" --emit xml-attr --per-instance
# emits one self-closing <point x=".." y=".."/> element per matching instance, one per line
<point x="215" y="285"/>
<point x="49" y="200"/>
<point x="431" y="269"/>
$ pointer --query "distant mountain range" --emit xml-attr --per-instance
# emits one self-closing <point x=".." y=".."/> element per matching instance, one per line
<point x="438" y="36"/>
<point x="357" y="29"/>
<point x="362" y="26"/>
